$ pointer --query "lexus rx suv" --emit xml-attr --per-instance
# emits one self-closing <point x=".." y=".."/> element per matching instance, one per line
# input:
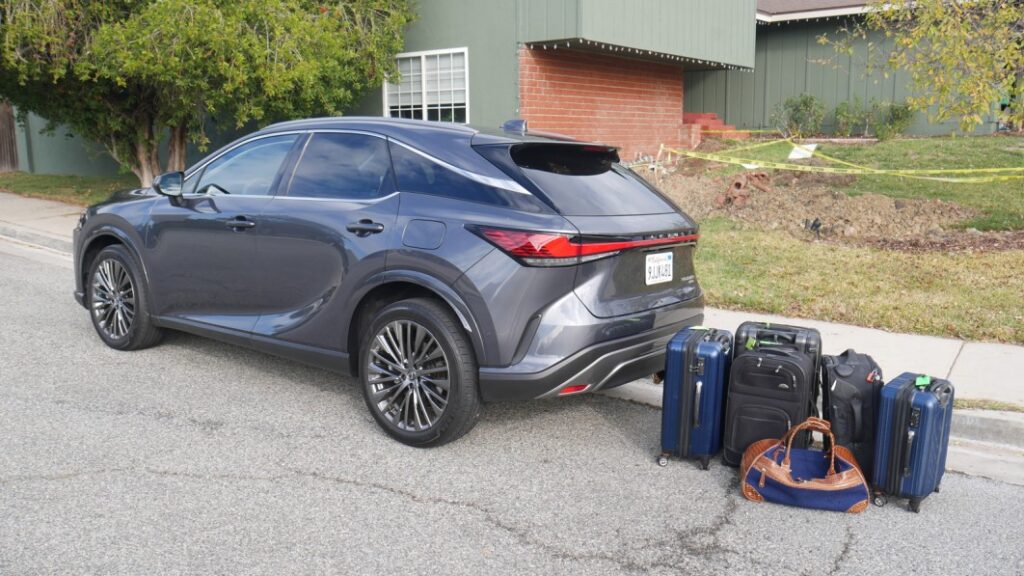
<point x="444" y="266"/>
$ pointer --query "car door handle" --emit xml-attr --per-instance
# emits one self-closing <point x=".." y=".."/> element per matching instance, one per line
<point x="239" y="223"/>
<point x="365" y="227"/>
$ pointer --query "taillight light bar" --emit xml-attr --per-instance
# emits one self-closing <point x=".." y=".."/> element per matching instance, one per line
<point x="556" y="249"/>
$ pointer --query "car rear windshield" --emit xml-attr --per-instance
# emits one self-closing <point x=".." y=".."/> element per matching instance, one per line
<point x="582" y="180"/>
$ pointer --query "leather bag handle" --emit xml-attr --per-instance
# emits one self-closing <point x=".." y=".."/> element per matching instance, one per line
<point x="816" y="424"/>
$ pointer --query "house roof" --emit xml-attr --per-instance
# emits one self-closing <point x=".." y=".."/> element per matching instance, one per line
<point x="785" y="10"/>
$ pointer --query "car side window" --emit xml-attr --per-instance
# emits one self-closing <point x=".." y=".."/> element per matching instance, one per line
<point x="416" y="173"/>
<point x="248" y="170"/>
<point x="343" y="166"/>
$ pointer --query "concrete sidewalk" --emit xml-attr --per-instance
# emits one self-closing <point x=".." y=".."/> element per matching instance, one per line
<point x="40" y="222"/>
<point x="979" y="370"/>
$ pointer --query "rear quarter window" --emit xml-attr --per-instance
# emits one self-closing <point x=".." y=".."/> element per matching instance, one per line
<point x="582" y="180"/>
<point x="417" y="173"/>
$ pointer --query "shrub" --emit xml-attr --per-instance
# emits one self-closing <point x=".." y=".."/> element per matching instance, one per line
<point x="800" y="115"/>
<point x="890" y="119"/>
<point x="851" y="118"/>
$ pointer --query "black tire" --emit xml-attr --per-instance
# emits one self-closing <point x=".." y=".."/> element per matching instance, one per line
<point x="141" y="331"/>
<point x="914" y="505"/>
<point x="705" y="462"/>
<point x="662" y="460"/>
<point x="880" y="500"/>
<point x="462" y="408"/>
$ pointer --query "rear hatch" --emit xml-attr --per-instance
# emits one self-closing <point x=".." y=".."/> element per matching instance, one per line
<point x="636" y="246"/>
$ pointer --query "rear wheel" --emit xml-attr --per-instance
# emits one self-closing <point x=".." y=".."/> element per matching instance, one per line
<point x="419" y="373"/>
<point x="118" y="301"/>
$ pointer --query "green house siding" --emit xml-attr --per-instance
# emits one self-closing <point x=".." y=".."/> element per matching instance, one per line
<point x="487" y="29"/>
<point x="721" y="32"/>
<point x="60" y="152"/>
<point x="789" y="61"/>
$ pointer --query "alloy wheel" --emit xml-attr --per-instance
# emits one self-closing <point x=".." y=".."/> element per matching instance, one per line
<point x="408" y="376"/>
<point x="113" y="298"/>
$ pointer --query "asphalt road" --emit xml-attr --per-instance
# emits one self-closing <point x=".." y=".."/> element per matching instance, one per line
<point x="198" y="457"/>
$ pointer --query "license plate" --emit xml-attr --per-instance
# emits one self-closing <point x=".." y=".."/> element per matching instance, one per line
<point x="659" y="268"/>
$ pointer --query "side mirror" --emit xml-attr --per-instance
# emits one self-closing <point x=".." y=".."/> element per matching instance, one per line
<point x="169" y="184"/>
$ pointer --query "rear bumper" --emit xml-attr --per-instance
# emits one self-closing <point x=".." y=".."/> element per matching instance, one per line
<point x="601" y="366"/>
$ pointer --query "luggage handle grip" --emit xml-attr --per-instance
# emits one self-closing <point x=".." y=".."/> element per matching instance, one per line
<point x="815" y="424"/>
<point x="777" y="335"/>
<point x="943" y="390"/>
<point x="906" y="454"/>
<point x="696" y="403"/>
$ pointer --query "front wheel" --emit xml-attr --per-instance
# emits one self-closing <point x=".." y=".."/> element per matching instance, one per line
<point x="118" y="301"/>
<point x="419" y="373"/>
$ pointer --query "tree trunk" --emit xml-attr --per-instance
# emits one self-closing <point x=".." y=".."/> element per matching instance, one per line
<point x="176" y="148"/>
<point x="146" y="163"/>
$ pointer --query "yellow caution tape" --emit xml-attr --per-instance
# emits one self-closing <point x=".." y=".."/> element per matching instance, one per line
<point x="922" y="170"/>
<point x="739" y="130"/>
<point x="858" y="171"/>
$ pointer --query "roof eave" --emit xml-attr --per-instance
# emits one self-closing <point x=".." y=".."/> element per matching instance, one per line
<point x="766" y="18"/>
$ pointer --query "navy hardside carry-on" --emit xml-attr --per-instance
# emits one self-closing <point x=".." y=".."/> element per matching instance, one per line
<point x="914" y="419"/>
<point x="693" y="401"/>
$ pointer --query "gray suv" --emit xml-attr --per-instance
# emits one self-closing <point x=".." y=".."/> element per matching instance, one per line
<point x="443" y="265"/>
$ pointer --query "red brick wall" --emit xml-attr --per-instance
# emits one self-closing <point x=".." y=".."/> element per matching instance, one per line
<point x="633" y="104"/>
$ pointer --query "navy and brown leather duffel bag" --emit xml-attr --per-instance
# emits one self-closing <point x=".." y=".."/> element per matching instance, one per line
<point x="772" y="470"/>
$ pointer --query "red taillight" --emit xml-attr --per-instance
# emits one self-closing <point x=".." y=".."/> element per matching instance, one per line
<point x="553" y="249"/>
<point x="573" y="389"/>
<point x="532" y="244"/>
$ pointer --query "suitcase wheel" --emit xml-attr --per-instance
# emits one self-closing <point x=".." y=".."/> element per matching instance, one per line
<point x="880" y="500"/>
<point x="662" y="460"/>
<point x="705" y="462"/>
<point x="937" y="487"/>
<point x="914" y="505"/>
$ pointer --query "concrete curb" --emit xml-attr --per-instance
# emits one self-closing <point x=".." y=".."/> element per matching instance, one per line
<point x="985" y="443"/>
<point x="27" y="236"/>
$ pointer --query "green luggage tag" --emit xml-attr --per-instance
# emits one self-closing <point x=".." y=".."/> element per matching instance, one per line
<point x="751" y="343"/>
<point x="923" y="381"/>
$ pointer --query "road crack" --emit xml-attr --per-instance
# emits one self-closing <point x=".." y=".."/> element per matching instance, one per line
<point x="844" y="553"/>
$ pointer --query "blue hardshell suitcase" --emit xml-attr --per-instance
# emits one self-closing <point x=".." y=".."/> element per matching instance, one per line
<point x="693" y="401"/>
<point x="912" y="438"/>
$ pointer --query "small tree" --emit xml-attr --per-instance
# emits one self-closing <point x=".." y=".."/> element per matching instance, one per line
<point x="963" y="56"/>
<point x="128" y="74"/>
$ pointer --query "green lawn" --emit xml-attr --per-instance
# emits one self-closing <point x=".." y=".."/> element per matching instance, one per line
<point x="81" y="190"/>
<point x="1002" y="203"/>
<point x="975" y="296"/>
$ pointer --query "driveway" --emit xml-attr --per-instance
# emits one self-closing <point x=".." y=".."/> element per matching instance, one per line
<point x="198" y="457"/>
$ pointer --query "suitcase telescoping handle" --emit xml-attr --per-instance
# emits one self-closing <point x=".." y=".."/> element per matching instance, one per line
<point x="696" y="403"/>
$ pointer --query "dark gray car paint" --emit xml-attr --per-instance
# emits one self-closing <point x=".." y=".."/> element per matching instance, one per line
<point x="291" y="284"/>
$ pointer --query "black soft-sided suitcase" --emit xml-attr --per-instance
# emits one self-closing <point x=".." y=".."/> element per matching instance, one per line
<point x="771" y="389"/>
<point x="850" y="386"/>
<point x="761" y="404"/>
<point x="693" y="402"/>
<point x="914" y="418"/>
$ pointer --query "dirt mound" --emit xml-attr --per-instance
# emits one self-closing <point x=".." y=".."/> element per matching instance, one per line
<point x="969" y="240"/>
<point x="803" y="206"/>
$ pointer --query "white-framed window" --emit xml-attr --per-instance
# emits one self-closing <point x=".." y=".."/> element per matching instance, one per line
<point x="433" y="85"/>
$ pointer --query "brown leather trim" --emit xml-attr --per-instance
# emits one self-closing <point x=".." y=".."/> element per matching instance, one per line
<point x="750" y="494"/>
<point x="754" y="451"/>
<point x="845" y="453"/>
<point x="858" y="507"/>
<point x="843" y="481"/>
